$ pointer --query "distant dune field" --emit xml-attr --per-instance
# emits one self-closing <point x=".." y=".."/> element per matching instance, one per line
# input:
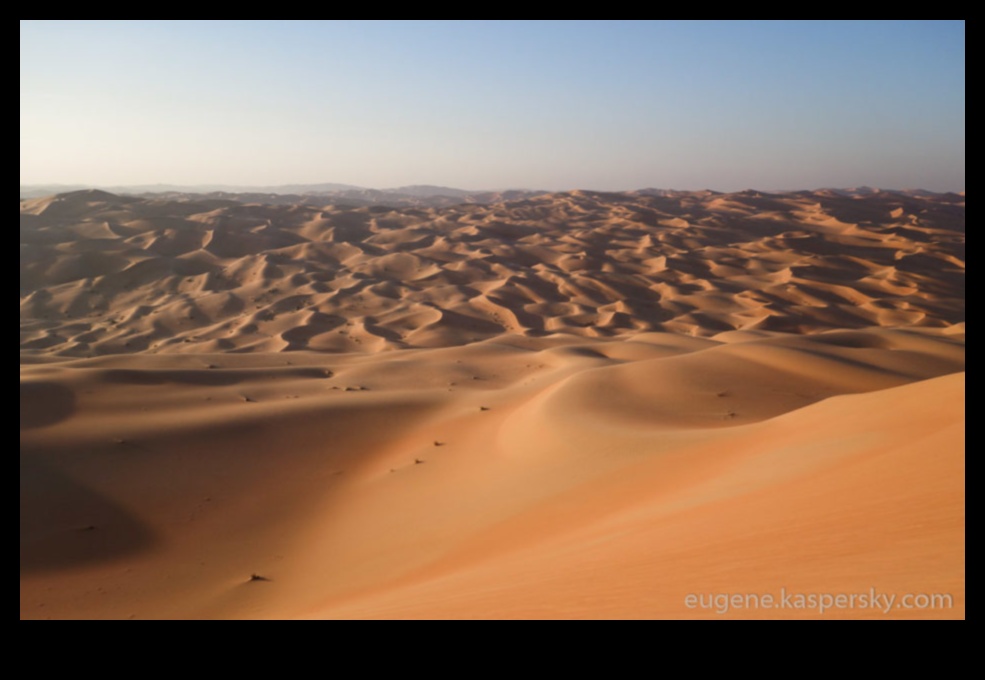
<point x="571" y="405"/>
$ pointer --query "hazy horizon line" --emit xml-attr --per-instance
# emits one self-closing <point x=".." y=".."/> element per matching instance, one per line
<point x="342" y="186"/>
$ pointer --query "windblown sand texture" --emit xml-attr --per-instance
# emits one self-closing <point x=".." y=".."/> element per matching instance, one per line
<point x="577" y="405"/>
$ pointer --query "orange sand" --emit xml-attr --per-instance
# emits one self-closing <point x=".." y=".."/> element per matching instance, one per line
<point x="579" y="405"/>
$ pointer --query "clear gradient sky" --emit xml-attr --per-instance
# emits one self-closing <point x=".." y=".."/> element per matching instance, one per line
<point x="608" y="105"/>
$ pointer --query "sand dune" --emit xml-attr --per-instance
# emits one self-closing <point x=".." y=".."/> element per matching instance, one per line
<point x="579" y="405"/>
<point x="103" y="274"/>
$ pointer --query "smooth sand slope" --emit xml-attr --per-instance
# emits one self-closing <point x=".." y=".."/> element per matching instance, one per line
<point x="579" y="405"/>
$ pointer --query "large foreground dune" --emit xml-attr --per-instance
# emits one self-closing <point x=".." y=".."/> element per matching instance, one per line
<point x="579" y="405"/>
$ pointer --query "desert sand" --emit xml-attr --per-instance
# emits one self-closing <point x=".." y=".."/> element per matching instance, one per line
<point x="575" y="405"/>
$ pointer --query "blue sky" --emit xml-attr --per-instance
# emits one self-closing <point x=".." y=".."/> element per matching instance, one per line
<point x="556" y="105"/>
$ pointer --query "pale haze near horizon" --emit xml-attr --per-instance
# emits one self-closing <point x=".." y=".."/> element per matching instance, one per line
<point x="609" y="105"/>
